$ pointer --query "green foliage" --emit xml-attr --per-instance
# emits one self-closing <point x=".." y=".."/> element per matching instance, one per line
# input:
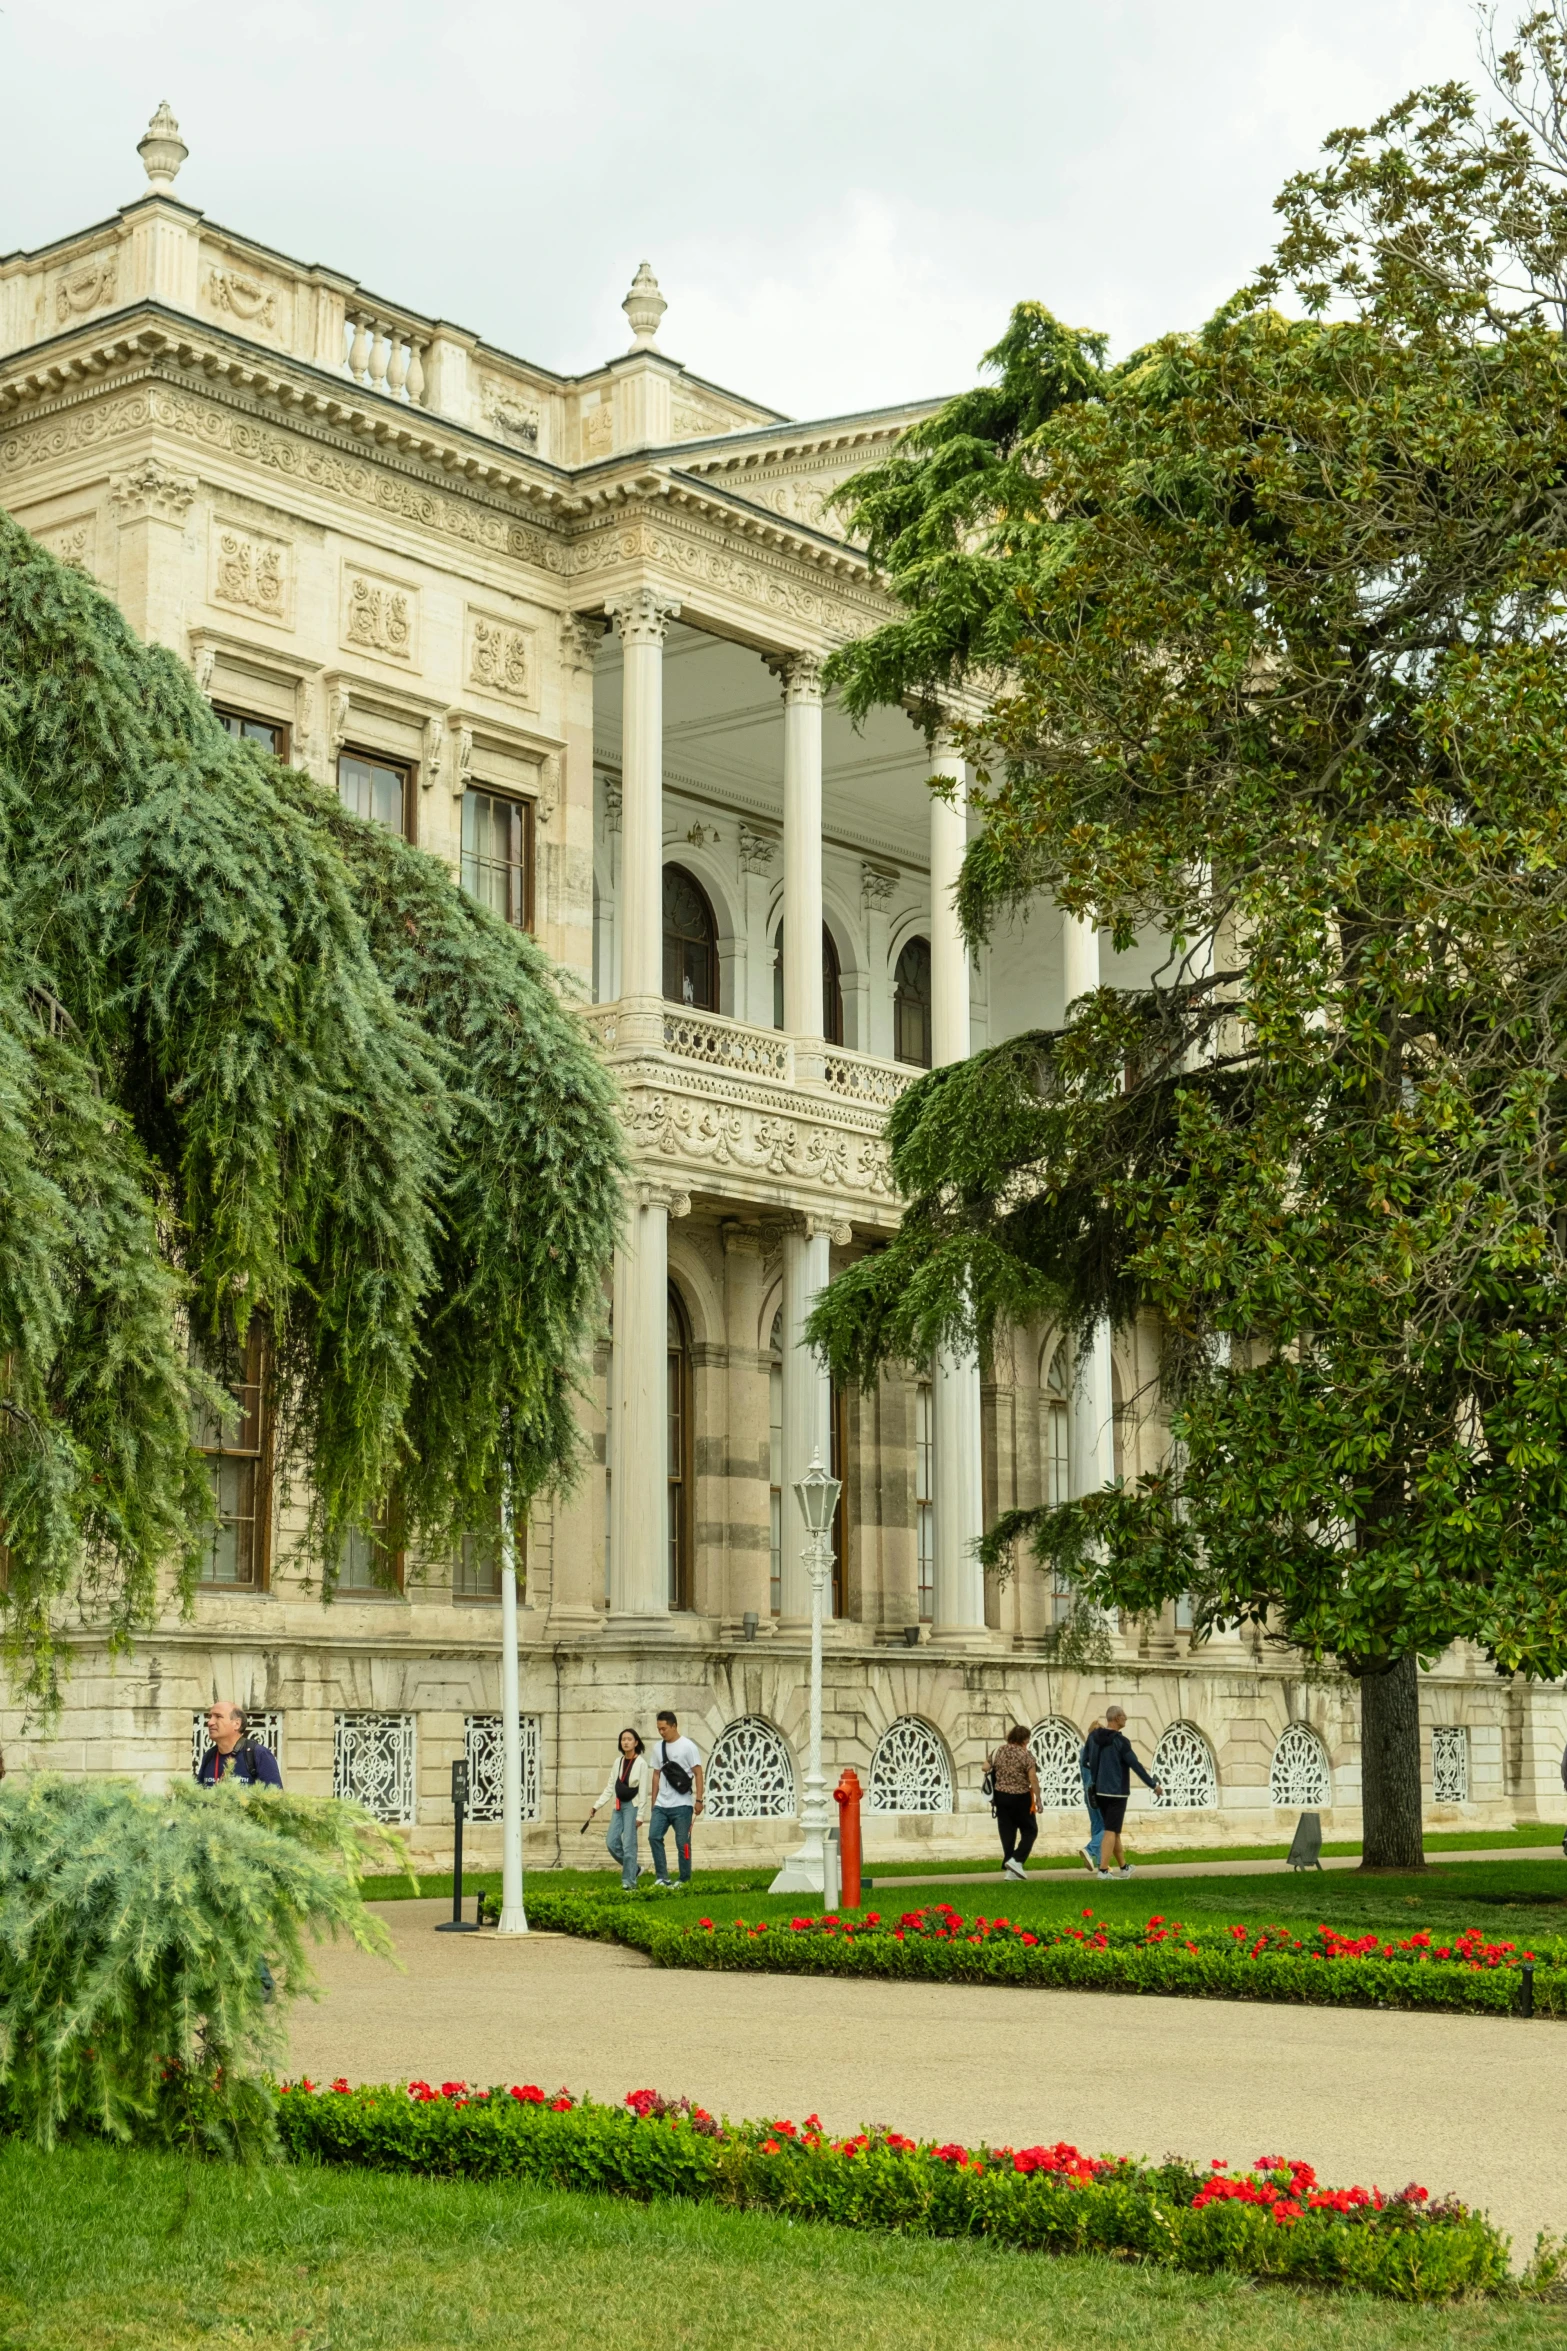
<point x="135" y="1934"/>
<point x="257" y="1058"/>
<point x="1285" y="699"/>
<point x="881" y="2180"/>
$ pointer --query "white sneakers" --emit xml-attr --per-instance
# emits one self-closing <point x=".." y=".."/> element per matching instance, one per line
<point x="1090" y="1863"/>
<point x="1013" y="1869"/>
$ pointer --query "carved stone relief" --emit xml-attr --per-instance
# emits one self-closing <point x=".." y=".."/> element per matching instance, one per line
<point x="380" y="615"/>
<point x="757" y="849"/>
<point x="86" y="285"/>
<point x="151" y="489"/>
<point x="252" y="571"/>
<point x="243" y="297"/>
<point x="598" y="431"/>
<point x="500" y="657"/>
<point x="73" y="543"/>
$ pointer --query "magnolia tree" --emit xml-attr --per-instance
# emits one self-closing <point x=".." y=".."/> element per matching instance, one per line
<point x="257" y="1059"/>
<point x="1268" y="626"/>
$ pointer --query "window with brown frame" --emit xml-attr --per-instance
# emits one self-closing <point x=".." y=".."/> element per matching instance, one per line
<point x="497" y="854"/>
<point x="476" y="1572"/>
<point x="238" y="1453"/>
<point x="911" y="1005"/>
<point x="372" y="1563"/>
<point x="380" y="790"/>
<point x="690" y="942"/>
<point x="680" y="1455"/>
<point x="270" y="733"/>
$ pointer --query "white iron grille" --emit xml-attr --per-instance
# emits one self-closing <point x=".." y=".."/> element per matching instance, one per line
<point x="749" y="1774"/>
<point x="265" y="1728"/>
<point x="1183" y="1764"/>
<point x="485" y="1749"/>
<point x="1299" y="1776"/>
<point x="1450" y="1764"/>
<point x="909" y="1770"/>
<point x="373" y="1763"/>
<point x="1057" y="1748"/>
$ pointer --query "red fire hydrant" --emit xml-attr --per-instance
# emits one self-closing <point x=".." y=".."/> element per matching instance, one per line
<point x="846" y="1795"/>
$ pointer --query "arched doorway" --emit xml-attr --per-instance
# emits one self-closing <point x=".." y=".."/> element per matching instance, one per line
<point x="690" y="942"/>
<point x="911" y="1005"/>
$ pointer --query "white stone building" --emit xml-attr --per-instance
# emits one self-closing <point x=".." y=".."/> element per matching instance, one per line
<point x="567" y="633"/>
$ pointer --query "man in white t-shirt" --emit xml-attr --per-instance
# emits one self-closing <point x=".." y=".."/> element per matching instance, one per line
<point x="677" y="1797"/>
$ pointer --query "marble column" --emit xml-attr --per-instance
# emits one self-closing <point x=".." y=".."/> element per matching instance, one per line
<point x="959" y="1492"/>
<point x="747" y="1432"/>
<point x="807" y="1399"/>
<point x="639" y="1424"/>
<point x="1093" y="1400"/>
<point x="643" y="618"/>
<point x="801" y="676"/>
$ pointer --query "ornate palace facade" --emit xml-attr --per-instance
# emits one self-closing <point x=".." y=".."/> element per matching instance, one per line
<point x="567" y="634"/>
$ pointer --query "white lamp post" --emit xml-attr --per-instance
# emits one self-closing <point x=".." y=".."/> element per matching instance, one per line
<point x="805" y="1870"/>
<point x="514" y="1918"/>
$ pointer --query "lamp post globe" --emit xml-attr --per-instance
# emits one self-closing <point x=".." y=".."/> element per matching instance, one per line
<point x="805" y="1871"/>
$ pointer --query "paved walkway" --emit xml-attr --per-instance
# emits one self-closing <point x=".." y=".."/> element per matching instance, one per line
<point x="1470" y="2104"/>
<point x="1154" y="1868"/>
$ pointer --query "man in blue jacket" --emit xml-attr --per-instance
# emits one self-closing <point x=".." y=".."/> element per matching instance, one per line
<point x="232" y="1754"/>
<point x="1109" y="1759"/>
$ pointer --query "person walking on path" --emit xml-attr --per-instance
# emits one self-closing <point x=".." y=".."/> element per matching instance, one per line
<point x="232" y="1754"/>
<point x="677" y="1798"/>
<point x="1014" y="1781"/>
<point x="1096" y="1826"/>
<point x="1109" y="1759"/>
<point x="626" y="1789"/>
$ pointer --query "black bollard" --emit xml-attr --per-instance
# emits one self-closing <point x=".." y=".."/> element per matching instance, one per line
<point x="457" y="1924"/>
<point x="1526" y="1999"/>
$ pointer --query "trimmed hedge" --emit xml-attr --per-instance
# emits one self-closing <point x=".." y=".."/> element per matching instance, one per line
<point x="1272" y="2223"/>
<point x="1212" y="1963"/>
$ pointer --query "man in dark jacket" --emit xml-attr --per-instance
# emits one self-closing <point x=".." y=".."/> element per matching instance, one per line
<point x="1109" y="1759"/>
<point x="232" y="1754"/>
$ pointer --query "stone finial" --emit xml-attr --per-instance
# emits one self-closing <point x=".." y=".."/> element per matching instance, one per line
<point x="644" y="306"/>
<point x="162" y="150"/>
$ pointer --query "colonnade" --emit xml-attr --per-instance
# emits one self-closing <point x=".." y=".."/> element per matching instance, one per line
<point x="639" y="1533"/>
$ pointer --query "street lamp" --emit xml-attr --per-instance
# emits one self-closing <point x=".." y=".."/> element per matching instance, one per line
<point x="805" y="1871"/>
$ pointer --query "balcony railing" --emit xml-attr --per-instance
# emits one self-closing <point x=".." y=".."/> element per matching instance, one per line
<point x="711" y="1041"/>
<point x="385" y="354"/>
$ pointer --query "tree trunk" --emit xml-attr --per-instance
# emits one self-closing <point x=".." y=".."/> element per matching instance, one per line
<point x="1390" y="1768"/>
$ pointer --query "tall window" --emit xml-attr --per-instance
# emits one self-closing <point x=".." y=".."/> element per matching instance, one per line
<point x="911" y="1005"/>
<point x="679" y="1456"/>
<point x="832" y="986"/>
<point x="1057" y="1463"/>
<point x="925" y="1500"/>
<point x="690" y="942"/>
<point x="497" y="855"/>
<point x="775" y="1459"/>
<point x="476" y="1573"/>
<point x="372" y="1562"/>
<point x="380" y="790"/>
<point x="236" y="1453"/>
<point x="268" y="732"/>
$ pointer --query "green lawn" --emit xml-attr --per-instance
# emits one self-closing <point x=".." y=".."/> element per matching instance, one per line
<point x="106" y="2252"/>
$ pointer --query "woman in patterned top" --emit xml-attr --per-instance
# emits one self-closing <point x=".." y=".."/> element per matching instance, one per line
<point x="1014" y="1777"/>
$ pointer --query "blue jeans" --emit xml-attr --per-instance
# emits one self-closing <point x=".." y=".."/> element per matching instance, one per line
<point x="1096" y="1826"/>
<point x="678" y="1818"/>
<point x="621" y="1838"/>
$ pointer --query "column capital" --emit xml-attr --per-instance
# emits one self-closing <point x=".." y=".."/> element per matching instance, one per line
<point x="666" y="1196"/>
<point x="837" y="1229"/>
<point x="642" y="615"/>
<point x="151" y="488"/>
<point x="800" y="675"/>
<point x="877" y="886"/>
<point x="757" y="849"/>
<point x="581" y="634"/>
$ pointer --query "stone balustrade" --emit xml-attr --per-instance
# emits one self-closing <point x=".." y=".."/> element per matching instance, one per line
<point x="385" y="354"/>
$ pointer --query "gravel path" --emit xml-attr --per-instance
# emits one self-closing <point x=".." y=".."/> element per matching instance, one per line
<point x="1470" y="2104"/>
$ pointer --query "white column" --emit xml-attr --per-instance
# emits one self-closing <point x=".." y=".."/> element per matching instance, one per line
<point x="514" y="1917"/>
<point x="807" y="1397"/>
<point x="955" y="1407"/>
<point x="639" y="1429"/>
<point x="643" y="617"/>
<point x="802" y="899"/>
<point x="878" y="888"/>
<point x="1093" y="1401"/>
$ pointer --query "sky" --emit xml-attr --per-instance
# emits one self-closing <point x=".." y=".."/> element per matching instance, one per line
<point x="841" y="198"/>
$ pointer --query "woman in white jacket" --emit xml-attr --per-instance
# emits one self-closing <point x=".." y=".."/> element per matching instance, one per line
<point x="626" y="1788"/>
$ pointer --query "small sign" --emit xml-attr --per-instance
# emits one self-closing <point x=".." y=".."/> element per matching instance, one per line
<point x="460" y="1782"/>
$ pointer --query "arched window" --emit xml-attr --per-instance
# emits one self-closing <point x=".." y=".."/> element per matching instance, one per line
<point x="909" y="1770"/>
<point x="679" y="1455"/>
<point x="1299" y="1776"/>
<point x="1056" y="1747"/>
<point x="832" y="986"/>
<point x="690" y="942"/>
<point x="749" y="1774"/>
<point x="911" y="1005"/>
<point x="1184" y="1766"/>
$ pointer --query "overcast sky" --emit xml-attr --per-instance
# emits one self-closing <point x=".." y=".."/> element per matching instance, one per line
<point x="841" y="198"/>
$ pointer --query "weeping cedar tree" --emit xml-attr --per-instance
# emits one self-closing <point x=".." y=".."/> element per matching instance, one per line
<point x="1277" y="613"/>
<point x="257" y="1059"/>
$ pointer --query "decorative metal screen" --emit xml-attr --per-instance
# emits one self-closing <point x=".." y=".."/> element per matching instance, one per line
<point x="749" y="1774"/>
<point x="1299" y="1776"/>
<point x="1183" y="1765"/>
<point x="265" y="1728"/>
<point x="485" y="1749"/>
<point x="909" y="1770"/>
<point x="373" y="1763"/>
<point x="1449" y="1764"/>
<point x="1056" y="1748"/>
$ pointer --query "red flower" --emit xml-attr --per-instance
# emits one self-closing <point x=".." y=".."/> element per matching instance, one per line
<point x="771" y="2147"/>
<point x="341" y="2084"/>
<point x="531" y="2095"/>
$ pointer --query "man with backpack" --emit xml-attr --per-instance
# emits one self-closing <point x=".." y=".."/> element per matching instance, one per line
<point x="232" y="1754"/>
<point x="677" y="1797"/>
